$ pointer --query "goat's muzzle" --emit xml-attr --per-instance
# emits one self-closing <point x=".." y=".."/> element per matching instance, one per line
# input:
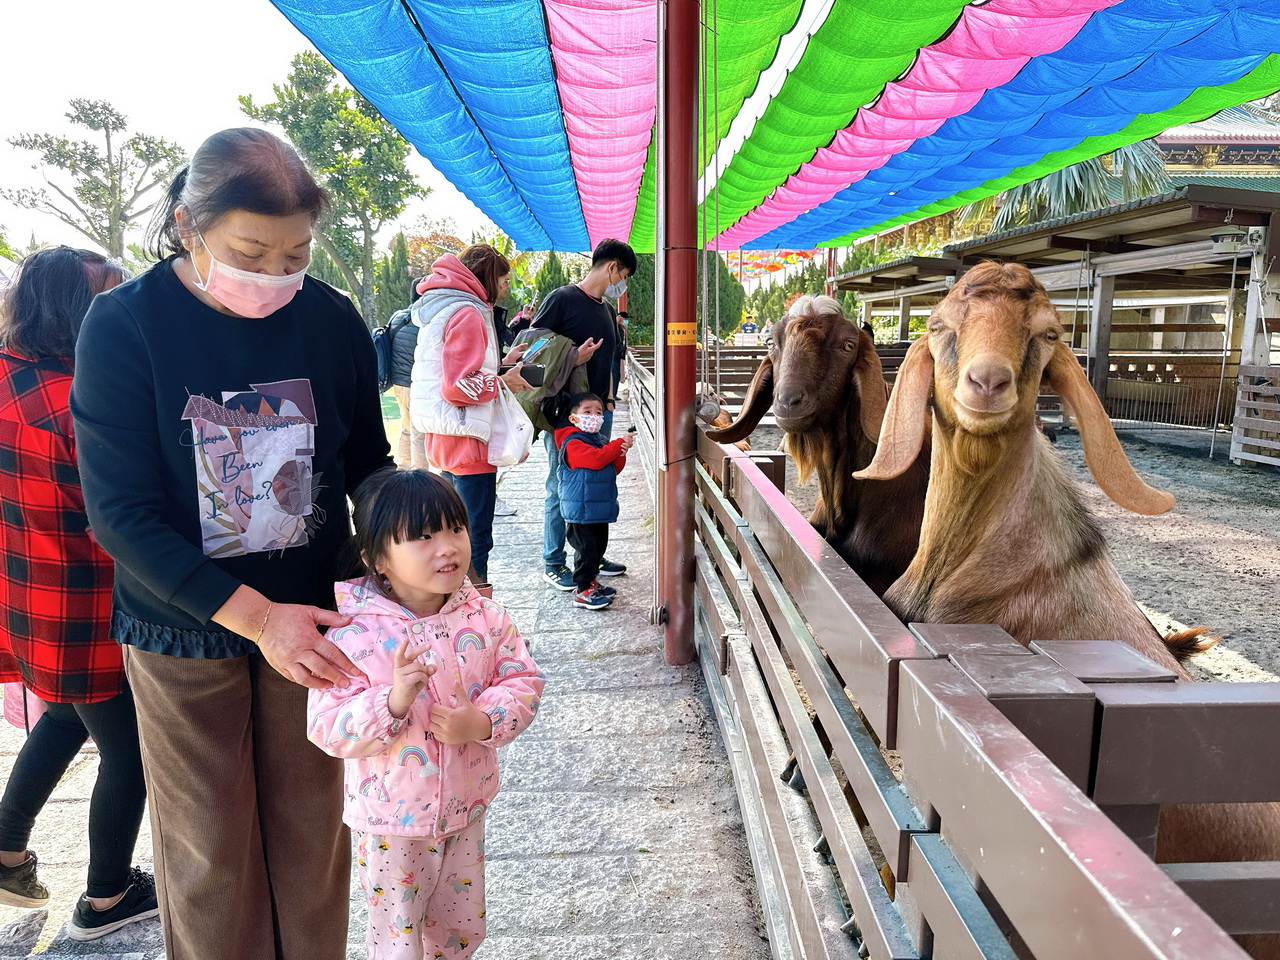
<point x="987" y="391"/>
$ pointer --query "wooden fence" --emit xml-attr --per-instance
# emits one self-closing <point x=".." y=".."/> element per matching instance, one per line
<point x="940" y="791"/>
<point x="1256" y="431"/>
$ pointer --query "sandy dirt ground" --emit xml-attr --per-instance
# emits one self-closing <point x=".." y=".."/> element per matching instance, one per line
<point x="1213" y="560"/>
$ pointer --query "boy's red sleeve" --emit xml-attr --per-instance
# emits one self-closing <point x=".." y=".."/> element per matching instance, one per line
<point x="580" y="455"/>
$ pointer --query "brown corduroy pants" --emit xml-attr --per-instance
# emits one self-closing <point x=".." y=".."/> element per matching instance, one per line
<point x="252" y="859"/>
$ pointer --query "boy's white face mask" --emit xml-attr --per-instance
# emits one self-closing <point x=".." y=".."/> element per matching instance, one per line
<point x="588" y="422"/>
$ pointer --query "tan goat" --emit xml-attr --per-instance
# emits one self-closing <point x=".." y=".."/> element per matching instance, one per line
<point x="1007" y="538"/>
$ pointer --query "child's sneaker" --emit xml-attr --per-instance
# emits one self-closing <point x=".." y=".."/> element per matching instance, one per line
<point x="138" y="903"/>
<point x="610" y="569"/>
<point x="591" y="599"/>
<point x="560" y="577"/>
<point x="19" y="886"/>
<point x="607" y="591"/>
<point x="503" y="509"/>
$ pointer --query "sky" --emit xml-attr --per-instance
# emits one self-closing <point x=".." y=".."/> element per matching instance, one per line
<point x="174" y="68"/>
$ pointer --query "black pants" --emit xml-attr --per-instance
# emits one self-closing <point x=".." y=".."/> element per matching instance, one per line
<point x="589" y="541"/>
<point x="119" y="795"/>
<point x="479" y="492"/>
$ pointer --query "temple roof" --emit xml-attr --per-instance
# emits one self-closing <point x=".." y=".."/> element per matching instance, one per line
<point x="1242" y="124"/>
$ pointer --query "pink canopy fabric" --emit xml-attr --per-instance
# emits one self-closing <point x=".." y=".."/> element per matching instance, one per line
<point x="606" y="73"/>
<point x="989" y="45"/>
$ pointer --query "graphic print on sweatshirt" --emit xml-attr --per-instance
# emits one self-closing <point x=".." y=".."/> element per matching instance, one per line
<point x="253" y="454"/>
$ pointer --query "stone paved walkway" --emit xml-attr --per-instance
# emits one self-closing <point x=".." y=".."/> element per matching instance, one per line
<point x="617" y="834"/>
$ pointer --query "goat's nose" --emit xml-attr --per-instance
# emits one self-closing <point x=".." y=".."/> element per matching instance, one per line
<point x="988" y="379"/>
<point x="790" y="398"/>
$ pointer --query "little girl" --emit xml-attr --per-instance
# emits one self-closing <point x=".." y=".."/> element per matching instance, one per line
<point x="446" y="680"/>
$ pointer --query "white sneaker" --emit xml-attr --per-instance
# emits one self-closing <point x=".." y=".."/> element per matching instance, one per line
<point x="503" y="509"/>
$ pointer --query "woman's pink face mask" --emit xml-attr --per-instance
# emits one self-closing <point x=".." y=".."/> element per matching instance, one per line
<point x="255" y="295"/>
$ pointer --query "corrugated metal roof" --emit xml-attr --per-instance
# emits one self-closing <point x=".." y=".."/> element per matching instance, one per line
<point x="1271" y="184"/>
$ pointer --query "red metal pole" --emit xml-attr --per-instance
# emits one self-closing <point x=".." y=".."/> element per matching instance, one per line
<point x="679" y="255"/>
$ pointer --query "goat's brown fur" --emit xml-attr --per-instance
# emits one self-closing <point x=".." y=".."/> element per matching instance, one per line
<point x="825" y="383"/>
<point x="1007" y="538"/>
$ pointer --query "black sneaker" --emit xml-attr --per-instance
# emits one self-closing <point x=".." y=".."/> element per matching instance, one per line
<point x="610" y="569"/>
<point x="19" y="886"/>
<point x="560" y="577"/>
<point x="138" y="903"/>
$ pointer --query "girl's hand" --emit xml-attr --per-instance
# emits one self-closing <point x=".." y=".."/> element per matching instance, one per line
<point x="408" y="676"/>
<point x="462" y="723"/>
<point x="514" y="381"/>
<point x="515" y="354"/>
<point x="296" y="649"/>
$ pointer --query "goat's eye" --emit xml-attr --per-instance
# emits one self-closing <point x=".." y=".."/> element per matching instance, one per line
<point x="937" y="326"/>
<point x="1051" y="335"/>
<point x="850" y="345"/>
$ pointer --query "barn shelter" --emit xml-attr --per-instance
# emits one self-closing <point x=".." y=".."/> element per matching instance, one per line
<point x="1166" y="299"/>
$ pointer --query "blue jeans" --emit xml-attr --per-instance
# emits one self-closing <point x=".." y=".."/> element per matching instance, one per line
<point x="478" y="492"/>
<point x="553" y="554"/>
<point x="607" y="430"/>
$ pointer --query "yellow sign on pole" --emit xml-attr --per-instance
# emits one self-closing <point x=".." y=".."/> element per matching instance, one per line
<point x="682" y="334"/>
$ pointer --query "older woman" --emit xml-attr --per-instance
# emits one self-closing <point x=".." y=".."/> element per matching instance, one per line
<point x="225" y="405"/>
<point x="55" y="603"/>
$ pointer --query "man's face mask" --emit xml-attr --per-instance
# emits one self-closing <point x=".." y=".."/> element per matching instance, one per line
<point x="617" y="288"/>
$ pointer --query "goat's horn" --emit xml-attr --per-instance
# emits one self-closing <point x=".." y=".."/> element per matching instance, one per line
<point x="1102" y="451"/>
<point x="905" y="419"/>
<point x="756" y="404"/>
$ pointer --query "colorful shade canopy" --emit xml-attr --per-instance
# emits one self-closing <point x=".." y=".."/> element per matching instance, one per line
<point x="824" y="120"/>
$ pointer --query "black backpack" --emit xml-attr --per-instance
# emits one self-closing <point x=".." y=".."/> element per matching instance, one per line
<point x="383" y="339"/>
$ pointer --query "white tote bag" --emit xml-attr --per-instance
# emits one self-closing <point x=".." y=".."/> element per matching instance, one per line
<point x="510" y="430"/>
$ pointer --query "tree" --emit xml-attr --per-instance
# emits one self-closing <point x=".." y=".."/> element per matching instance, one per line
<point x="429" y="240"/>
<point x="549" y="276"/>
<point x="357" y="155"/>
<point x="7" y="251"/>
<point x="732" y="296"/>
<point x="1130" y="173"/>
<point x="111" y="182"/>
<point x="393" y="283"/>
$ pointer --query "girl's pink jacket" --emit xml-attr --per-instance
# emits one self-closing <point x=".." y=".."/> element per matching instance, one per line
<point x="400" y="780"/>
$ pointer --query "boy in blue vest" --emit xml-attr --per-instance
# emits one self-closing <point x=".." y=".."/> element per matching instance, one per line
<point x="589" y="494"/>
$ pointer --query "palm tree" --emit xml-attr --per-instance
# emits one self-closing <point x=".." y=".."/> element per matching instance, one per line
<point x="1130" y="173"/>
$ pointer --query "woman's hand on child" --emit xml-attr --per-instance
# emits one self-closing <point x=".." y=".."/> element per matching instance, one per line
<point x="462" y="723"/>
<point x="292" y="645"/>
<point x="409" y="675"/>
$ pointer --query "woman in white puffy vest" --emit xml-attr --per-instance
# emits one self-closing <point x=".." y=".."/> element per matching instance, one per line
<point x="455" y="380"/>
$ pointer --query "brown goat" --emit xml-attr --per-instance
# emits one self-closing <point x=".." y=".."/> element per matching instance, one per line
<point x="823" y="378"/>
<point x="1007" y="538"/>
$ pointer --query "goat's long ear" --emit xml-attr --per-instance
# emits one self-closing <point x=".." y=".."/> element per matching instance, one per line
<point x="873" y="392"/>
<point x="1107" y="462"/>
<point x="907" y="416"/>
<point x="757" y="403"/>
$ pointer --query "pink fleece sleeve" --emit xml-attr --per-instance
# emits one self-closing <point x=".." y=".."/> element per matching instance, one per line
<point x="514" y="692"/>
<point x="464" y="383"/>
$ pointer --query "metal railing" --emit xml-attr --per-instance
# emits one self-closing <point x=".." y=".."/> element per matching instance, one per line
<point x="940" y="790"/>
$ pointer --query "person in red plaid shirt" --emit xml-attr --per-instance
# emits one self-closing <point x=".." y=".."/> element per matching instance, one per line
<point x="55" y="603"/>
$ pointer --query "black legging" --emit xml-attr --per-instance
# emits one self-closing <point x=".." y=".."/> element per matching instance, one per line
<point x="119" y="795"/>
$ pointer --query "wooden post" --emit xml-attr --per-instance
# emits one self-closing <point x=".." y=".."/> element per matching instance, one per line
<point x="1104" y="294"/>
<point x="904" y="319"/>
